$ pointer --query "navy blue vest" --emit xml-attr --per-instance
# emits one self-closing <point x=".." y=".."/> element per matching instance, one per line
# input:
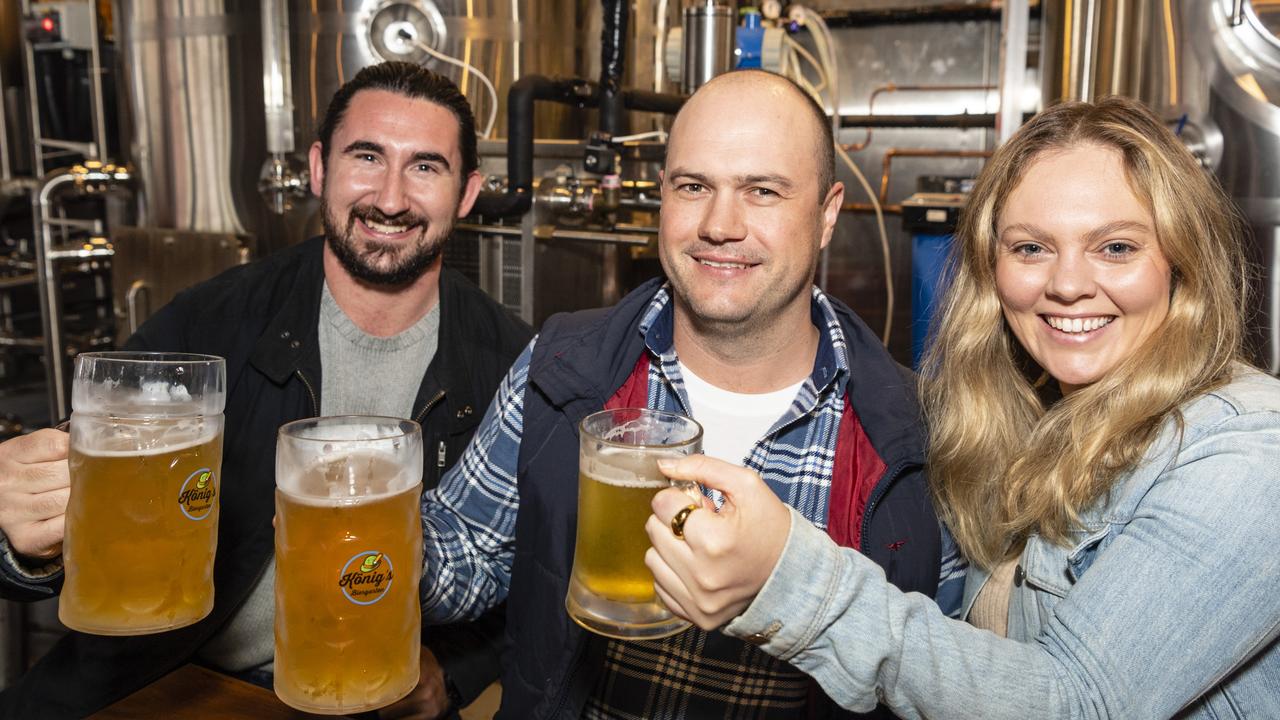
<point x="580" y="360"/>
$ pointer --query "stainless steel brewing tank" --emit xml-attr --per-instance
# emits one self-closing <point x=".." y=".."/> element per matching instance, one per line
<point x="194" y="123"/>
<point x="1242" y="66"/>
<point x="194" y="88"/>
<point x="1216" y="82"/>
<point x="504" y="40"/>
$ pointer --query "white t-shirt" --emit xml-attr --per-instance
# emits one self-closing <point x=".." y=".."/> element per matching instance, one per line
<point x="732" y="423"/>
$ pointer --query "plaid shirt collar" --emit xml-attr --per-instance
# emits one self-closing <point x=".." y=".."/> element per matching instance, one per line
<point x="830" y="367"/>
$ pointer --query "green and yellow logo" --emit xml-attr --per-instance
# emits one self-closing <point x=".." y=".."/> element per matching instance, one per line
<point x="366" y="577"/>
<point x="198" y="494"/>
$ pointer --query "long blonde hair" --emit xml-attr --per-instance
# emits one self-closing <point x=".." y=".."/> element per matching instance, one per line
<point x="1004" y="463"/>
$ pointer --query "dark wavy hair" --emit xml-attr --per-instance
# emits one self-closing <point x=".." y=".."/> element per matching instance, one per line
<point x="412" y="81"/>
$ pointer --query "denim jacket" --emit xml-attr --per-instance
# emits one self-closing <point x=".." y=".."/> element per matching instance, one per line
<point x="1166" y="602"/>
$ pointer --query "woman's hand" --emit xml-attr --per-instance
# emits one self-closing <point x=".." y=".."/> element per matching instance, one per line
<point x="711" y="575"/>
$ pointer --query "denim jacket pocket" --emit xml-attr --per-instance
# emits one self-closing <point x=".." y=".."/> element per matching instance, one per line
<point x="1043" y="567"/>
<point x="1084" y="553"/>
<point x="1046" y="572"/>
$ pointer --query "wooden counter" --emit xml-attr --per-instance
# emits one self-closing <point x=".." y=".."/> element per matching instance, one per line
<point x="201" y="694"/>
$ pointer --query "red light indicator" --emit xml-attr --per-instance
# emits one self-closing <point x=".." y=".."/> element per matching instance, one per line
<point x="46" y="23"/>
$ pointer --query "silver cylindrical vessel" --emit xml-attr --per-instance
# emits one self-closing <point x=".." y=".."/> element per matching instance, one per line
<point x="1213" y="79"/>
<point x="708" y="44"/>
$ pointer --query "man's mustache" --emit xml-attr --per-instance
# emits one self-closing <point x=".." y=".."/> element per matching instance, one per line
<point x="369" y="213"/>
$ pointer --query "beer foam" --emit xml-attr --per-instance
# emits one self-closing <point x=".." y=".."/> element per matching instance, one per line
<point x="100" y="437"/>
<point x="647" y="430"/>
<point x="342" y="477"/>
<point x="332" y="502"/>
<point x="625" y="468"/>
<point x="634" y="481"/>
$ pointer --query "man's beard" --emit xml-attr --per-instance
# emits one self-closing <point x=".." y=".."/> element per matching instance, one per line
<point x="408" y="262"/>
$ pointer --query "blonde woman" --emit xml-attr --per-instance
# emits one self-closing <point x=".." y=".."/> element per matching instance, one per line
<point x="1105" y="460"/>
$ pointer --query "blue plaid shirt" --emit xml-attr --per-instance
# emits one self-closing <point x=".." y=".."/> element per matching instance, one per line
<point x="469" y="520"/>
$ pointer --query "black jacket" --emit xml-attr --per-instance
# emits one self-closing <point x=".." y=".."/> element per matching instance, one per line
<point x="263" y="319"/>
<point x="580" y="360"/>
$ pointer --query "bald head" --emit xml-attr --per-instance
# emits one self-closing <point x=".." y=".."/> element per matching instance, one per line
<point x="734" y="96"/>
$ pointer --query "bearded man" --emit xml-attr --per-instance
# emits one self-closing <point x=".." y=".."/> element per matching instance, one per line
<point x="365" y="320"/>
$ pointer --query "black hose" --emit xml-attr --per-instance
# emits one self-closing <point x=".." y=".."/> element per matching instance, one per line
<point x="520" y="101"/>
<point x="947" y="12"/>
<point x="613" y="50"/>
<point x="647" y="101"/>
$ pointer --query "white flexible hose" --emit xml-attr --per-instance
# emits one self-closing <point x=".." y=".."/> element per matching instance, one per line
<point x="493" y="94"/>
<point x="828" y="71"/>
<point x="799" y="50"/>
<point x="884" y="242"/>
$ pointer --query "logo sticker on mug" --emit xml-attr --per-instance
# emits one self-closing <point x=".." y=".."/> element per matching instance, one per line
<point x="197" y="494"/>
<point x="366" y="577"/>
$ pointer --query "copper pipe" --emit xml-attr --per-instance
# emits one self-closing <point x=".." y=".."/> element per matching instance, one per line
<point x="860" y="207"/>
<point x="889" y="155"/>
<point x="891" y="87"/>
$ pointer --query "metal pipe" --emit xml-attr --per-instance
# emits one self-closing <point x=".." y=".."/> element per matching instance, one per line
<point x="33" y="99"/>
<point x="89" y="177"/>
<point x="50" y="298"/>
<point x="645" y="101"/>
<point x="858" y="207"/>
<point x="889" y="155"/>
<point x="1237" y="13"/>
<point x="278" y="182"/>
<point x="613" y="50"/>
<point x="75" y="224"/>
<point x="1014" y="25"/>
<point x="95" y="88"/>
<point x="72" y="146"/>
<point x="601" y="236"/>
<point x="953" y="12"/>
<point x="8" y="282"/>
<point x="518" y="197"/>
<point x="277" y="88"/>
<point x="577" y="92"/>
<point x="892" y="87"/>
<point x="139" y="288"/>
<point x="963" y="120"/>
<point x="892" y="153"/>
<point x="6" y="172"/>
<point x="24" y="342"/>
<point x="12" y="187"/>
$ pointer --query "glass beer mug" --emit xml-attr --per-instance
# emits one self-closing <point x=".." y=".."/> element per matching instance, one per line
<point x="142" y="519"/>
<point x="611" y="591"/>
<point x="348" y="560"/>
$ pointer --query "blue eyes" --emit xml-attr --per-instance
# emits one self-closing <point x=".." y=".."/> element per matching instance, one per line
<point x="1115" y="249"/>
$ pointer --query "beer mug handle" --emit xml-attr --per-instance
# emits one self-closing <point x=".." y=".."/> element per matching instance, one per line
<point x="694" y="490"/>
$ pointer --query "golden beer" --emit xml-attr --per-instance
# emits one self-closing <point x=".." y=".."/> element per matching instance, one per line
<point x="609" y="552"/>
<point x="141" y="523"/>
<point x="348" y="561"/>
<point x="610" y="589"/>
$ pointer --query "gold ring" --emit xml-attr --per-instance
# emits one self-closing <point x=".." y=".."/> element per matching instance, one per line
<point x="677" y="522"/>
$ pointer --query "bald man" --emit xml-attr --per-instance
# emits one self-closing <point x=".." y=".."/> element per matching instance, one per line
<point x="784" y="379"/>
